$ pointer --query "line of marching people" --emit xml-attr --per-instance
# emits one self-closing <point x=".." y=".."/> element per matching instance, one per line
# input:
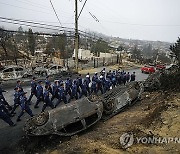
<point x="62" y="91"/>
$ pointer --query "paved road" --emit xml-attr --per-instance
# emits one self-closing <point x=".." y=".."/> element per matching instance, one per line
<point x="11" y="137"/>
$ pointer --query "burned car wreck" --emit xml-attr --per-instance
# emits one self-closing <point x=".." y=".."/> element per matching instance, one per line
<point x="79" y="115"/>
<point x="163" y="79"/>
<point x="66" y="120"/>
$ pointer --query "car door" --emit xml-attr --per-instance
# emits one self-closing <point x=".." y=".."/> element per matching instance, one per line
<point x="18" y="71"/>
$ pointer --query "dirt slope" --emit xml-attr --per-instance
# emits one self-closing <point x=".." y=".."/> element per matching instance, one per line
<point x="156" y="115"/>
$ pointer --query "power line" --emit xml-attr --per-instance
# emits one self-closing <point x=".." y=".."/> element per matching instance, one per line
<point x="22" y="7"/>
<point x="22" y="22"/>
<point x="42" y="25"/>
<point x="36" y="33"/>
<point x="94" y="17"/>
<point x="70" y="32"/>
<point x="56" y="13"/>
<point x="82" y="9"/>
<point x="33" y="22"/>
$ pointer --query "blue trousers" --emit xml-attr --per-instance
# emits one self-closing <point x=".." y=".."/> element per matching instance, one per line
<point x="25" y="108"/>
<point x="47" y="102"/>
<point x="4" y="116"/>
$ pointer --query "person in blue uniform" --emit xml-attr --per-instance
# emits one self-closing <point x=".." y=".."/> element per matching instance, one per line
<point x="86" y="82"/>
<point x="84" y="89"/>
<point x="128" y="77"/>
<point x="60" y="80"/>
<point x="55" y="90"/>
<point x="78" y="85"/>
<point x="62" y="95"/>
<point x="33" y="89"/>
<point x="80" y="80"/>
<point x="24" y="106"/>
<point x="68" y="85"/>
<point x="94" y="87"/>
<point x="109" y="75"/>
<point x="114" y="78"/>
<point x="4" y="115"/>
<point x="39" y="90"/>
<point x="47" y="101"/>
<point x="17" y="95"/>
<point x="103" y="71"/>
<point x="95" y="77"/>
<point x="48" y="83"/>
<point x="118" y="78"/>
<point x="108" y="84"/>
<point x="101" y="84"/>
<point x="19" y="86"/>
<point x="124" y="78"/>
<point x="88" y="77"/>
<point x="133" y="76"/>
<point x="2" y="98"/>
<point x="74" y="93"/>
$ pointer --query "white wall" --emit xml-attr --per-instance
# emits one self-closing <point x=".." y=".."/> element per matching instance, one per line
<point x="83" y="54"/>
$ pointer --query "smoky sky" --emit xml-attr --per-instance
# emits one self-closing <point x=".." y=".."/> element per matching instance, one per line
<point x="132" y="19"/>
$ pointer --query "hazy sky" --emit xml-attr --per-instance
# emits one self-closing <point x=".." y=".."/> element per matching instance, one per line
<point x="135" y="19"/>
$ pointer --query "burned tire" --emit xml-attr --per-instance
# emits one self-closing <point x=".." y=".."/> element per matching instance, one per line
<point x="109" y="107"/>
<point x="40" y="119"/>
<point x="93" y="98"/>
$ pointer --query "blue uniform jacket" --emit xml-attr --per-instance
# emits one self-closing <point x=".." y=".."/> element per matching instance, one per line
<point x="74" y="89"/>
<point x="55" y="89"/>
<point x="47" y="82"/>
<point x="39" y="90"/>
<point x="23" y="102"/>
<point x="17" y="97"/>
<point x="33" y="86"/>
<point x="46" y="95"/>
<point x="61" y="92"/>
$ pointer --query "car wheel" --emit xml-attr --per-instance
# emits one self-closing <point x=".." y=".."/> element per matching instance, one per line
<point x="109" y="107"/>
<point x="40" y="119"/>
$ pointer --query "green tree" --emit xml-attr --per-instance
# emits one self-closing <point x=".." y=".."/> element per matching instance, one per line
<point x="176" y="50"/>
<point x="31" y="42"/>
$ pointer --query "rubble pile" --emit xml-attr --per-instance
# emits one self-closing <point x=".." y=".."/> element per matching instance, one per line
<point x="167" y="79"/>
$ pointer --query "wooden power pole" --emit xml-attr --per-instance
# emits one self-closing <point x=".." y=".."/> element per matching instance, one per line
<point x="76" y="35"/>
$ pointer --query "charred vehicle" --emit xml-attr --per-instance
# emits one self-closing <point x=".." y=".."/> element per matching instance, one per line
<point x="14" y="72"/>
<point x="66" y="120"/>
<point x="77" y="116"/>
<point x="120" y="97"/>
<point x="49" y="70"/>
<point x="162" y="78"/>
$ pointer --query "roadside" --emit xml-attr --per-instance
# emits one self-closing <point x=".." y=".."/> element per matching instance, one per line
<point x="156" y="115"/>
<point x="26" y="81"/>
<point x="125" y="66"/>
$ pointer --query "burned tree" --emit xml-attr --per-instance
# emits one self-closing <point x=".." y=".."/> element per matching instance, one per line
<point x="4" y="39"/>
<point x="176" y="50"/>
<point x="31" y="42"/>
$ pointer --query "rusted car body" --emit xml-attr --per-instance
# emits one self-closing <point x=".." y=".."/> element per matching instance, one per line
<point x="154" y="81"/>
<point x="120" y="97"/>
<point x="66" y="120"/>
<point x="77" y="116"/>
<point x="14" y="72"/>
<point x="49" y="70"/>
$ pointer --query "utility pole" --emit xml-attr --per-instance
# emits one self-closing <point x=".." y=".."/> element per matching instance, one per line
<point x="76" y="35"/>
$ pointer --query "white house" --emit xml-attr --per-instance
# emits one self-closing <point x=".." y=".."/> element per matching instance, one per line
<point x="83" y="54"/>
